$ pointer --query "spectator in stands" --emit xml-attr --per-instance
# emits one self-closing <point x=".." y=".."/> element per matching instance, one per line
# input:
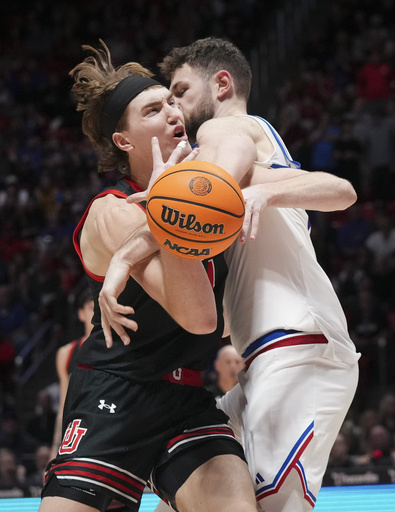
<point x="40" y="425"/>
<point x="367" y="419"/>
<point x="377" y="136"/>
<point x="340" y="454"/>
<point x="381" y="243"/>
<point x="11" y="241"/>
<point x="367" y="324"/>
<point x="380" y="449"/>
<point x="48" y="194"/>
<point x="293" y="129"/>
<point x="7" y="361"/>
<point x="347" y="154"/>
<point x="227" y="365"/>
<point x="381" y="246"/>
<point x="375" y="78"/>
<point x="14" y="318"/>
<point x="352" y="235"/>
<point x="386" y="413"/>
<point x="13" y="437"/>
<point x="390" y="346"/>
<point x="322" y="140"/>
<point x="12" y="483"/>
<point x="352" y="431"/>
<point x="34" y="481"/>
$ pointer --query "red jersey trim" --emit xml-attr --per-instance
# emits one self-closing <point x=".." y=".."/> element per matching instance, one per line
<point x="81" y="223"/>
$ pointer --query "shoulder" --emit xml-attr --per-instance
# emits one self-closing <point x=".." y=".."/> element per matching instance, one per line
<point x="243" y="128"/>
<point x="231" y="124"/>
<point x="65" y="350"/>
<point x="110" y="221"/>
<point x="111" y="204"/>
<point x="230" y="133"/>
<point x="63" y="354"/>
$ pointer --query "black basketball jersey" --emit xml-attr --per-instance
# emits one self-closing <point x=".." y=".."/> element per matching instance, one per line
<point x="160" y="345"/>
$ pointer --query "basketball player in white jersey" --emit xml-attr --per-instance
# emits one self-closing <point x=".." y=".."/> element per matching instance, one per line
<point x="301" y="366"/>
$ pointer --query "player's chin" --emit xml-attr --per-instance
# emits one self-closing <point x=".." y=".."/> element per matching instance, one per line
<point x="181" y="138"/>
<point x="167" y="149"/>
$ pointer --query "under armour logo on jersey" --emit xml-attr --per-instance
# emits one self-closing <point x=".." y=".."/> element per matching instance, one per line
<point x="103" y="405"/>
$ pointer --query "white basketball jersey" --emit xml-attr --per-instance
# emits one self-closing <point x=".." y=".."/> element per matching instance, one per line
<point x="275" y="281"/>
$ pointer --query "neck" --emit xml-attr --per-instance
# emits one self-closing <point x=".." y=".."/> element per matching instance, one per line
<point x="231" y="107"/>
<point x="140" y="171"/>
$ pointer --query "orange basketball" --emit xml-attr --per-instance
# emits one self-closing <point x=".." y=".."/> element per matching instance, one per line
<point x="195" y="209"/>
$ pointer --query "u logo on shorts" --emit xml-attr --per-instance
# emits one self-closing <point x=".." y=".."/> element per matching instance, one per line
<point x="72" y="437"/>
<point x="177" y="374"/>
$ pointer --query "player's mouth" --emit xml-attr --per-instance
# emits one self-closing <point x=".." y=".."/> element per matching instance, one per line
<point x="179" y="133"/>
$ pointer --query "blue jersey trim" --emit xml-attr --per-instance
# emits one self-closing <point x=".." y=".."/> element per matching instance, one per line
<point x="273" y="335"/>
<point x="280" y="143"/>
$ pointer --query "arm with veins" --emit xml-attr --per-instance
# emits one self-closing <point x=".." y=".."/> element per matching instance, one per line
<point x="293" y="188"/>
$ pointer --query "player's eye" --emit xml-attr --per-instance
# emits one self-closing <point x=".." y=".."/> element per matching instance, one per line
<point x="152" y="111"/>
<point x="180" y="92"/>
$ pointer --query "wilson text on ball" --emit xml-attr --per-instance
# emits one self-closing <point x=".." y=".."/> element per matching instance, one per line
<point x="189" y="222"/>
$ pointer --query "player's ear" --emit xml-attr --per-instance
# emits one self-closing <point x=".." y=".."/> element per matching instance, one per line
<point x="224" y="83"/>
<point x="122" y="141"/>
<point x="80" y="314"/>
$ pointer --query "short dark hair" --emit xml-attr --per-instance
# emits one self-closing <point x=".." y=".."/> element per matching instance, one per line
<point x="83" y="298"/>
<point x="210" y="55"/>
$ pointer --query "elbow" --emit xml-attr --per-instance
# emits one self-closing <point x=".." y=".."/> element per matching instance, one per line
<point x="209" y="326"/>
<point x="348" y="195"/>
<point x="352" y="195"/>
<point x="202" y="325"/>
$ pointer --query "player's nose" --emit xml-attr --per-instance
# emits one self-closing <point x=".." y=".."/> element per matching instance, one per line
<point x="173" y="114"/>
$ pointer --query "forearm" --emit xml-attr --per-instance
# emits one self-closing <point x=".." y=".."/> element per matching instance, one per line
<point x="139" y="246"/>
<point x="180" y="285"/>
<point x="184" y="291"/>
<point x="316" y="190"/>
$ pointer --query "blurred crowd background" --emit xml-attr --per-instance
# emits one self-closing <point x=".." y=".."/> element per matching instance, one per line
<point x="334" y="105"/>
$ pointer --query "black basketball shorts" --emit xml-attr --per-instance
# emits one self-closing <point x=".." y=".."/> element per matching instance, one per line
<point x="118" y="434"/>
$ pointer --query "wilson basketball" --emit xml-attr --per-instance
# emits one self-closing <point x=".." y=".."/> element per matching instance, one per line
<point x="195" y="209"/>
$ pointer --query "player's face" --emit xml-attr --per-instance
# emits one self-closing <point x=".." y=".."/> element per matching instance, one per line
<point x="154" y="112"/>
<point x="194" y="95"/>
<point x="85" y="313"/>
<point x="230" y="364"/>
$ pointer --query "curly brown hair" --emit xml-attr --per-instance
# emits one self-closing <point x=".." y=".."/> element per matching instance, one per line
<point x="208" y="56"/>
<point x="94" y="79"/>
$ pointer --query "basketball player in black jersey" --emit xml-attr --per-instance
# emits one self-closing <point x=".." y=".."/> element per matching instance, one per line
<point x="139" y="411"/>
